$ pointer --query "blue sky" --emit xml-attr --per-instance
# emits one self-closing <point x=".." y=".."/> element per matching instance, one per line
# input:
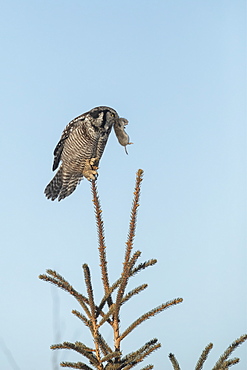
<point x="176" y="71"/>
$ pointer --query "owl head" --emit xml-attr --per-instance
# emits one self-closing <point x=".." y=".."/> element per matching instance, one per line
<point x="104" y="117"/>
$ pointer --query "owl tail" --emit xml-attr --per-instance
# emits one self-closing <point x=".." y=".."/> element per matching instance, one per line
<point x="53" y="188"/>
<point x="62" y="185"/>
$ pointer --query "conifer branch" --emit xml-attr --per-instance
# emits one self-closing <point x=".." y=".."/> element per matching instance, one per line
<point x="103" y="345"/>
<point x="83" y="318"/>
<point x="132" y="355"/>
<point x="145" y="353"/>
<point x="141" y="358"/>
<point x="80" y="348"/>
<point x="131" y="234"/>
<point x="88" y="283"/>
<point x="133" y="292"/>
<point x="133" y="358"/>
<point x="56" y="275"/>
<point x="174" y="361"/>
<point x="111" y="355"/>
<point x="102" y="352"/>
<point x="93" y="310"/>
<point x="75" y="365"/>
<point x="101" y="239"/>
<point x="117" y="282"/>
<point x="135" y="205"/>
<point x="126" y="267"/>
<point x="110" y="312"/>
<point x="147" y="315"/>
<point x="133" y="259"/>
<point x="203" y="356"/>
<point x="229" y="363"/>
<point x="63" y="284"/>
<point x="105" y="298"/>
<point x="86" y="321"/>
<point x="130" y="240"/>
<point x="142" y="266"/>
<point x="229" y="351"/>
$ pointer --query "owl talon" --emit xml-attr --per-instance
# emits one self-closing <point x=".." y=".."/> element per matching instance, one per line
<point x="93" y="161"/>
<point x="90" y="168"/>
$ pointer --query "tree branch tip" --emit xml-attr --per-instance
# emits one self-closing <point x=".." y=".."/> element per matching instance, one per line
<point x="55" y="346"/>
<point x="51" y="272"/>
<point x="140" y="172"/>
<point x="137" y="253"/>
<point x="243" y="337"/>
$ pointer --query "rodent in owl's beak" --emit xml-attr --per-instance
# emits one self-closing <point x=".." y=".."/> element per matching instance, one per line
<point x="122" y="136"/>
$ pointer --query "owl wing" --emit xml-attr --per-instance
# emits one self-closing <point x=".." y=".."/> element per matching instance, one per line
<point x="60" y="145"/>
<point x="58" y="152"/>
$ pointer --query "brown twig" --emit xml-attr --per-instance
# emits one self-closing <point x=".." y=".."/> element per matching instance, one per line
<point x="101" y="240"/>
<point x="174" y="361"/>
<point x="203" y="356"/>
<point x="126" y="267"/>
<point x="93" y="312"/>
<point x="149" y="314"/>
<point x="220" y="363"/>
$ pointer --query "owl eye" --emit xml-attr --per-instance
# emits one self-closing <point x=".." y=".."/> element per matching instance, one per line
<point x="112" y="114"/>
<point x="95" y="114"/>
